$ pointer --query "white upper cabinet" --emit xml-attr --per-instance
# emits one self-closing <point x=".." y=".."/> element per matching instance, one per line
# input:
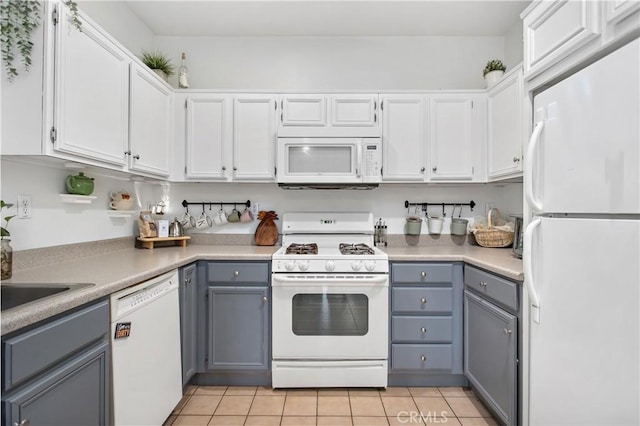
<point x="254" y="137"/>
<point x="505" y="105"/>
<point x="150" y="127"/>
<point x="209" y="131"/>
<point x="620" y="18"/>
<point x="91" y="93"/>
<point x="329" y="115"/>
<point x="403" y="137"/>
<point x="450" y="137"/>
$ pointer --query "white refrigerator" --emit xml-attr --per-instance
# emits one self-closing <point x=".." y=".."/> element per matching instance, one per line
<point x="582" y="248"/>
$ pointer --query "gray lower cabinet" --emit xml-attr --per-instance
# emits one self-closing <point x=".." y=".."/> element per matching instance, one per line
<point x="234" y="326"/>
<point x="57" y="373"/>
<point x="426" y="324"/>
<point x="188" y="321"/>
<point x="491" y="340"/>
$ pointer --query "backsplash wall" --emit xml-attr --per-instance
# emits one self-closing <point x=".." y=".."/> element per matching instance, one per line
<point x="55" y="223"/>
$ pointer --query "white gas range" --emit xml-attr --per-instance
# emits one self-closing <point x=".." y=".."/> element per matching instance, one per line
<point x="330" y="291"/>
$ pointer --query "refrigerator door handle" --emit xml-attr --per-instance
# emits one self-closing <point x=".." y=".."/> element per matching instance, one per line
<point x="528" y="167"/>
<point x="528" y="269"/>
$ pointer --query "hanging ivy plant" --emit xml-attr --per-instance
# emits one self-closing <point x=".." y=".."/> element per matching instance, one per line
<point x="19" y="19"/>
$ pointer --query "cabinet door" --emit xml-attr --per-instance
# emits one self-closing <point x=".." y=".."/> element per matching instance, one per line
<point x="505" y="127"/>
<point x="354" y="111"/>
<point x="238" y="333"/>
<point x="188" y="321"/>
<point x="450" y="137"/>
<point x="209" y="133"/>
<point x="91" y="93"/>
<point x="553" y="30"/>
<point x="403" y="138"/>
<point x="75" y="393"/>
<point x="304" y="110"/>
<point x="254" y="137"/>
<point x="150" y="124"/>
<point x="490" y="351"/>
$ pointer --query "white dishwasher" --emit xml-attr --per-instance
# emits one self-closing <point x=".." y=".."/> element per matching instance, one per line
<point x="145" y="351"/>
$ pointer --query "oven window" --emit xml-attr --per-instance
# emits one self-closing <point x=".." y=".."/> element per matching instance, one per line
<point x="330" y="314"/>
<point x="320" y="159"/>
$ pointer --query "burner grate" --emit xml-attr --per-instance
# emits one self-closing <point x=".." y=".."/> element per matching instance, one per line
<point x="296" y="248"/>
<point x="346" y="248"/>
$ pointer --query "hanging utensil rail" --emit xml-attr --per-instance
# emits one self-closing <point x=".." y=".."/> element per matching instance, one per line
<point x="424" y="206"/>
<point x="186" y="203"/>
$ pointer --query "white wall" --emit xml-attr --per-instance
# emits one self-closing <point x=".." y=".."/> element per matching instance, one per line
<point x="513" y="46"/>
<point x="118" y="20"/>
<point x="333" y="63"/>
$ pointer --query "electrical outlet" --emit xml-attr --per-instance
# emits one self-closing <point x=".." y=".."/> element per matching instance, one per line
<point x="24" y="206"/>
<point x="255" y="208"/>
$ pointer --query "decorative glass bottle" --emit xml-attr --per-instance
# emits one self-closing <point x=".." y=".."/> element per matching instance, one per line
<point x="7" y="259"/>
<point x="183" y="74"/>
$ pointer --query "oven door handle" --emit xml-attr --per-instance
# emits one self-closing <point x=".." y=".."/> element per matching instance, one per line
<point x="280" y="281"/>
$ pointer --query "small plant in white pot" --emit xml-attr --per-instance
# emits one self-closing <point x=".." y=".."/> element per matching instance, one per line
<point x="493" y="72"/>
<point x="159" y="63"/>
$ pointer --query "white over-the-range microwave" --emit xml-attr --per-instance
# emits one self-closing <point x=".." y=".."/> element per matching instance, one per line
<point x="325" y="162"/>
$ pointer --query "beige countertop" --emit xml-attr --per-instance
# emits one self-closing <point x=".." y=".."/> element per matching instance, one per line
<point x="114" y="271"/>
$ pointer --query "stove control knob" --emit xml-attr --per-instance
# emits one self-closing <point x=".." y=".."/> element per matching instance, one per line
<point x="330" y="265"/>
<point x="357" y="265"/>
<point x="289" y="265"/>
<point x="370" y="265"/>
<point x="303" y="265"/>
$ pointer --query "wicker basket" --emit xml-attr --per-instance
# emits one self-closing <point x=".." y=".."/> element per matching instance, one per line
<point x="492" y="237"/>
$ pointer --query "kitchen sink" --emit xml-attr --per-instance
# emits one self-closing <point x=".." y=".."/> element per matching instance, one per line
<point x="15" y="295"/>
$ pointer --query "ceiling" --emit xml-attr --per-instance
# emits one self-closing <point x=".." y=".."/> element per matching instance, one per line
<point x="328" y="17"/>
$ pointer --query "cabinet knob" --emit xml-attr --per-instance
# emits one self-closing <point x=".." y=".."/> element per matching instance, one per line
<point x="424" y="330"/>
<point x="482" y="284"/>
<point x="236" y="273"/>
<point x="422" y="169"/>
<point x="187" y="281"/>
<point x="423" y="301"/>
<point x="423" y="274"/>
<point x="127" y="152"/>
<point x="506" y="331"/>
<point x="434" y="168"/>
<point x="235" y="168"/>
<point x="136" y="157"/>
<point x="25" y="422"/>
<point x="423" y="358"/>
<point x="224" y="168"/>
<point x="264" y="299"/>
<point x="516" y="159"/>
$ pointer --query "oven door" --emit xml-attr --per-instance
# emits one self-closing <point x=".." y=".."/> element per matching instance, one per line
<point x="330" y="317"/>
<point x="319" y="160"/>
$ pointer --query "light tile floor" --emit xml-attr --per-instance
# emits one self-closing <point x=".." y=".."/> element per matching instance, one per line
<point x="241" y="405"/>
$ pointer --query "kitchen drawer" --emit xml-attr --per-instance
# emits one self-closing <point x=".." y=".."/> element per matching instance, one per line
<point x="422" y="329"/>
<point x="421" y="273"/>
<point x="426" y="300"/>
<point x="421" y="357"/>
<point x="492" y="287"/>
<point x="31" y="352"/>
<point x="240" y="272"/>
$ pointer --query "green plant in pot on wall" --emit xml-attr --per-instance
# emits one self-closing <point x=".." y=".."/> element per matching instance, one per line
<point x="158" y="62"/>
<point x="493" y="72"/>
<point x="7" y="251"/>
<point x="19" y="19"/>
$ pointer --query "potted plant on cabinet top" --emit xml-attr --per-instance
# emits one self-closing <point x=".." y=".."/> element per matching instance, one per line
<point x="159" y="63"/>
<point x="493" y="72"/>
<point x="7" y="251"/>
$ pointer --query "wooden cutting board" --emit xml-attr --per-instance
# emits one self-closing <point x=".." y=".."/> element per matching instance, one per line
<point x="266" y="233"/>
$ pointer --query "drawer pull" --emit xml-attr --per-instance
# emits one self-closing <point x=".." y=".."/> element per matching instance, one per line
<point x="423" y="301"/>
<point x="483" y="284"/>
<point x="25" y="422"/>
<point x="423" y="274"/>
<point x="236" y="273"/>
<point x="423" y="358"/>
<point x="264" y="299"/>
<point x="424" y="330"/>
<point x="506" y="331"/>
